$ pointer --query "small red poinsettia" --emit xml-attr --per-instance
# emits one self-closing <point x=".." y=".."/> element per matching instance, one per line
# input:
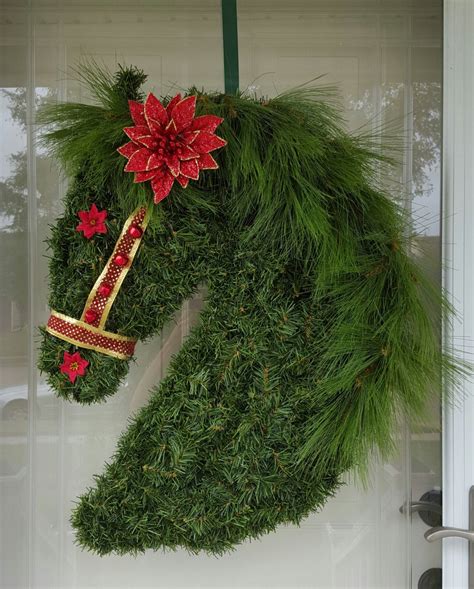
<point x="92" y="221"/>
<point x="169" y="144"/>
<point x="73" y="365"/>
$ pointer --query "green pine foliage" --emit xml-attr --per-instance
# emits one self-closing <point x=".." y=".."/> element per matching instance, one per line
<point x="316" y="336"/>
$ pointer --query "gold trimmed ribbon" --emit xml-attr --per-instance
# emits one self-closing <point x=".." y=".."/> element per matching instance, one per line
<point x="84" y="335"/>
<point x="88" y="331"/>
<point x="115" y="275"/>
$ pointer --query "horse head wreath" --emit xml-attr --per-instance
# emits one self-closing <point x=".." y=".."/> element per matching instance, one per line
<point x="316" y="333"/>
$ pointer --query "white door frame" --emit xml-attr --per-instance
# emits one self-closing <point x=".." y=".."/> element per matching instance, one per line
<point x="458" y="274"/>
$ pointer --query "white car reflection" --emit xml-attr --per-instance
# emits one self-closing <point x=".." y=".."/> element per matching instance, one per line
<point x="14" y="401"/>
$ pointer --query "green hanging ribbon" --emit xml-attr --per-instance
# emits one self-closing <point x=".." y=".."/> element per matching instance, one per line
<point x="231" y="46"/>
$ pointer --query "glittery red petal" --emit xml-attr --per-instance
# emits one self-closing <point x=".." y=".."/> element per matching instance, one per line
<point x="173" y="164"/>
<point x="183" y="113"/>
<point x="206" y="142"/>
<point x="155" y="161"/>
<point x="172" y="103"/>
<point x="161" y="187"/>
<point x="128" y="149"/>
<point x="156" y="128"/>
<point x="137" y="112"/>
<point x="188" y="136"/>
<point x="190" y="169"/>
<point x="171" y="126"/>
<point x="144" y="176"/>
<point x="183" y="181"/>
<point x="138" y="161"/>
<point x="187" y="153"/>
<point x="149" y="142"/>
<point x="207" y="162"/>
<point x="135" y="133"/>
<point x="155" y="111"/>
<point x="206" y="123"/>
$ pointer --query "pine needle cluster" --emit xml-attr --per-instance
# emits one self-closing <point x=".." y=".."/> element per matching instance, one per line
<point x="317" y="333"/>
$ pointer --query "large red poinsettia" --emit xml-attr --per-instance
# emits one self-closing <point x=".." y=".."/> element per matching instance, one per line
<point x="169" y="144"/>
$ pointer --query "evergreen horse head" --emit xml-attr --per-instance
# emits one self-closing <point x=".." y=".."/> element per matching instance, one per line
<point x="315" y="335"/>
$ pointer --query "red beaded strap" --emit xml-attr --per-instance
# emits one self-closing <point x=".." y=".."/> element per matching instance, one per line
<point x="88" y="331"/>
<point x="85" y="336"/>
<point x="102" y="296"/>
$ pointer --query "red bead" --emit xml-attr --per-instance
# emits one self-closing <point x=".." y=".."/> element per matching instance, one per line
<point x="105" y="289"/>
<point x="90" y="316"/>
<point x="120" y="260"/>
<point x="135" y="231"/>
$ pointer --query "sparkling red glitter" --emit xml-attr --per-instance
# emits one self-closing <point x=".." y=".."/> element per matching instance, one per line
<point x="168" y="144"/>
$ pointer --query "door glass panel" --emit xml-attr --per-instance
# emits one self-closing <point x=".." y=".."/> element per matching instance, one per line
<point x="386" y="57"/>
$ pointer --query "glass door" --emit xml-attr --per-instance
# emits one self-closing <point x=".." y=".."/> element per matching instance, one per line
<point x="386" y="57"/>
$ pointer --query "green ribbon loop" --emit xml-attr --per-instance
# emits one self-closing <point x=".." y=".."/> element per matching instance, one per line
<point x="231" y="46"/>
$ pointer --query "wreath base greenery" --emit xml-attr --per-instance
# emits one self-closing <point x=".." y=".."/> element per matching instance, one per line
<point x="316" y="336"/>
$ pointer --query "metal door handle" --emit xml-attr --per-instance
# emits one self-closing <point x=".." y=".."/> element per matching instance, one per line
<point x="416" y="506"/>
<point x="441" y="532"/>
<point x="428" y="507"/>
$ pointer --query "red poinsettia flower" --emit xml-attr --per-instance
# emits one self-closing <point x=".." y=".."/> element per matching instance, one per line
<point x="73" y="365"/>
<point x="169" y="144"/>
<point x="92" y="221"/>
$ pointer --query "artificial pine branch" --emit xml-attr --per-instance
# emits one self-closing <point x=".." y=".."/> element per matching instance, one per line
<point x="316" y="334"/>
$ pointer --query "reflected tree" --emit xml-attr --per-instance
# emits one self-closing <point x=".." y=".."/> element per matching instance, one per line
<point x="14" y="207"/>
